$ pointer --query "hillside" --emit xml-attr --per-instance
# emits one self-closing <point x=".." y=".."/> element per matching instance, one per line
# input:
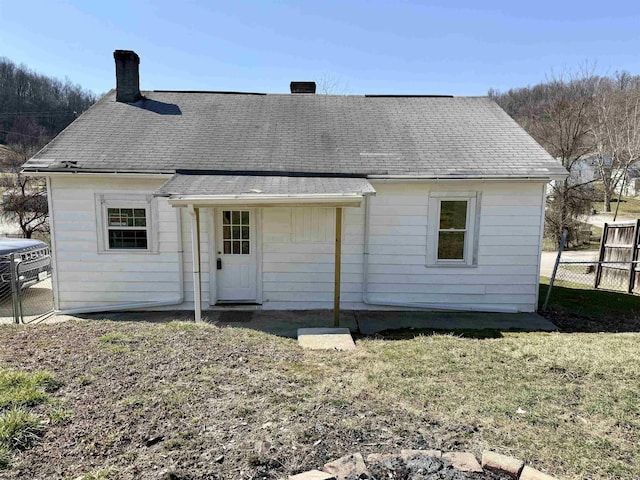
<point x="34" y="107"/>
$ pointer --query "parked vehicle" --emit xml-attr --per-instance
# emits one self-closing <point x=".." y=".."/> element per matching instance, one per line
<point x="35" y="262"/>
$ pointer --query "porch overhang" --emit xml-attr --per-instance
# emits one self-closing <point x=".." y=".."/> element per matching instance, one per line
<point x="264" y="191"/>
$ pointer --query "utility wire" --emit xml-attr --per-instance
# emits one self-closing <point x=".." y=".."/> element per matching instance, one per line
<point x="23" y="134"/>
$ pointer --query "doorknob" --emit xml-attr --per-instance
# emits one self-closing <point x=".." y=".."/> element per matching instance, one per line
<point x="219" y="264"/>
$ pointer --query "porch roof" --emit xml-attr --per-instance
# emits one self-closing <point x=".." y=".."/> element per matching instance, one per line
<point x="203" y="190"/>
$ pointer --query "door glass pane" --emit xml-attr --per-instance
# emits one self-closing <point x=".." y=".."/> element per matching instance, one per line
<point x="453" y="215"/>
<point x="451" y="246"/>
<point x="236" y="232"/>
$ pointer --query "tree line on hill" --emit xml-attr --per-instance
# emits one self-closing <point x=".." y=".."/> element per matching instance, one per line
<point x="581" y="119"/>
<point x="34" y="108"/>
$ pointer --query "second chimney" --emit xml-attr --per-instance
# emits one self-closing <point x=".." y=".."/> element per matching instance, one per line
<point x="127" y="76"/>
<point x="303" y="87"/>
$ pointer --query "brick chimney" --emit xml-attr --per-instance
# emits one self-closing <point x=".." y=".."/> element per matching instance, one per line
<point x="127" y="76"/>
<point x="303" y="87"/>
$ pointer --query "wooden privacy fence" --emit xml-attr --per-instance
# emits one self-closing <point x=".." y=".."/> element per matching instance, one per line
<point x="618" y="258"/>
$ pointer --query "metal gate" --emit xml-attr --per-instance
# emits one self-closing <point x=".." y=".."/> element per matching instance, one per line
<point x="25" y="293"/>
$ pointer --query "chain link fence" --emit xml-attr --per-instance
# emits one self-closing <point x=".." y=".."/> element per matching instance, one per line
<point x="25" y="287"/>
<point x="582" y="275"/>
<point x="615" y="267"/>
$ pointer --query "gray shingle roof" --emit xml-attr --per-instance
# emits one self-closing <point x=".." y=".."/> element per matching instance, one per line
<point x="312" y="134"/>
<point x="262" y="185"/>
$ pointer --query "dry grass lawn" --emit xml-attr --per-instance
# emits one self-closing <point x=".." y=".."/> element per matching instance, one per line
<point x="133" y="400"/>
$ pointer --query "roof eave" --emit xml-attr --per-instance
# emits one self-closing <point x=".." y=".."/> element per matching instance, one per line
<point x="546" y="177"/>
<point x="337" y="200"/>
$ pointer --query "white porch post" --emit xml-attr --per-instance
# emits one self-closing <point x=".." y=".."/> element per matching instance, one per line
<point x="195" y="248"/>
<point x="338" y="262"/>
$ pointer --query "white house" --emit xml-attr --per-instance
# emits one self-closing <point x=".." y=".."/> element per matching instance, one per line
<point x="197" y="200"/>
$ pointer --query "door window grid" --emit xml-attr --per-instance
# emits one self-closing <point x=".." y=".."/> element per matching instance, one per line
<point x="236" y="232"/>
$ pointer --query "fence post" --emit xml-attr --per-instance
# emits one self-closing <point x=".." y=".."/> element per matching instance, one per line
<point x="15" y="288"/>
<point x="555" y="269"/>
<point x="603" y="242"/>
<point x="634" y="257"/>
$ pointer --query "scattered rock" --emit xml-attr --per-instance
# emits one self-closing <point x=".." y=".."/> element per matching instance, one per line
<point x="219" y="459"/>
<point x="529" y="473"/>
<point x="349" y="466"/>
<point x="497" y="462"/>
<point x="263" y="447"/>
<point x="423" y="465"/>
<point x="463" y="461"/>
<point x="149" y="442"/>
<point x="379" y="457"/>
<point x="407" y="454"/>
<point x="385" y="466"/>
<point x="312" y="475"/>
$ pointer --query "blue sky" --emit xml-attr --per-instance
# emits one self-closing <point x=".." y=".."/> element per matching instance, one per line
<point x="395" y="47"/>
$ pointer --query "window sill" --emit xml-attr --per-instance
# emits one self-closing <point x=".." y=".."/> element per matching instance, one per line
<point x="127" y="251"/>
<point x="450" y="265"/>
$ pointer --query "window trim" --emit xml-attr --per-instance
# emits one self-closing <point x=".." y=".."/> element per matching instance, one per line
<point x="105" y="201"/>
<point x="471" y="230"/>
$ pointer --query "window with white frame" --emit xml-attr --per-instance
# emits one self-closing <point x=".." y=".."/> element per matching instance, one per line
<point x="125" y="223"/>
<point x="452" y="229"/>
<point x="127" y="228"/>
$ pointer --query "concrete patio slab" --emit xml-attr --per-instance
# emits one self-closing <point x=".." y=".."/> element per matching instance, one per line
<point x="285" y="323"/>
<point x="325" y="339"/>
<point x="371" y="322"/>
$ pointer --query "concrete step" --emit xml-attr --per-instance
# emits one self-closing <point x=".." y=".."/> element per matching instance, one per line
<point x="325" y="339"/>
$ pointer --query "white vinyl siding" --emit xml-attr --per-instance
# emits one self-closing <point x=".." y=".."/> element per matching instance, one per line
<point x="505" y="234"/>
<point x="88" y="278"/>
<point x="295" y="248"/>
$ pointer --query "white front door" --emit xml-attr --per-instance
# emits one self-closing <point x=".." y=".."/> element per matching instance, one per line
<point x="236" y="255"/>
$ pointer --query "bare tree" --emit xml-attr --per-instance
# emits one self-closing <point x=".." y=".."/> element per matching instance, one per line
<point x="616" y="132"/>
<point x="558" y="115"/>
<point x="330" y="85"/>
<point x="24" y="198"/>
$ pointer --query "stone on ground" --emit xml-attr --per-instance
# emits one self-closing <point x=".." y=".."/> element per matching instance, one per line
<point x="312" y="475"/>
<point x="348" y="466"/>
<point x="325" y="339"/>
<point x="463" y="461"/>
<point x="529" y="473"/>
<point x="379" y="457"/>
<point x="497" y="462"/>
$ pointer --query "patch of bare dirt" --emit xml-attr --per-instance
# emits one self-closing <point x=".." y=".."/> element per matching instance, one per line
<point x="572" y="322"/>
<point x="180" y="401"/>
